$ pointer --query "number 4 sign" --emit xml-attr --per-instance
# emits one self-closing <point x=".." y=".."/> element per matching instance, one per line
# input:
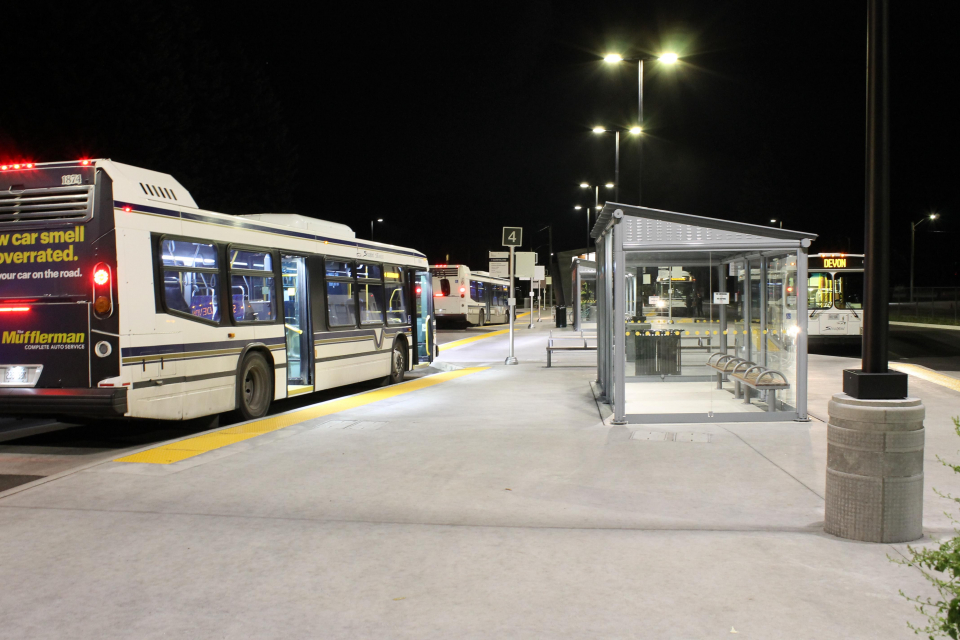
<point x="512" y="236"/>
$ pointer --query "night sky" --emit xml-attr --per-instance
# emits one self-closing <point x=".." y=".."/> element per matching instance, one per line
<point x="452" y="120"/>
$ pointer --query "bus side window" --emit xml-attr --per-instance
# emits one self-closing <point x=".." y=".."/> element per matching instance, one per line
<point x="473" y="290"/>
<point x="191" y="278"/>
<point x="341" y="304"/>
<point x="252" y="285"/>
<point x="396" y="304"/>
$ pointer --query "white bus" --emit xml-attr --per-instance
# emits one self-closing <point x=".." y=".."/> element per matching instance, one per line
<point x="119" y="297"/>
<point x="469" y="297"/>
<point x="835" y="297"/>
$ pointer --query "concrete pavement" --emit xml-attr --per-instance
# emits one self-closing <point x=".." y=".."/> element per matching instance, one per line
<point x="497" y="504"/>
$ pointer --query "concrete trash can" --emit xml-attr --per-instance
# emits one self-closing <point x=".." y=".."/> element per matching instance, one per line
<point x="875" y="469"/>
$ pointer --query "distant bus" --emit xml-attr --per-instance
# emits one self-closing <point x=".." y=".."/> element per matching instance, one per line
<point x="835" y="297"/>
<point x="467" y="297"/>
<point x="119" y="297"/>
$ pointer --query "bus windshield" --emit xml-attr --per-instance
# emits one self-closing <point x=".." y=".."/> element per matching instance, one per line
<point x="849" y="290"/>
<point x="819" y="290"/>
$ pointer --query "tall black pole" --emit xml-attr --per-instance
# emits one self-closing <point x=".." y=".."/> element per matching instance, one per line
<point x="640" y="136"/>
<point x="874" y="381"/>
<point x="877" y="238"/>
<point x="616" y="169"/>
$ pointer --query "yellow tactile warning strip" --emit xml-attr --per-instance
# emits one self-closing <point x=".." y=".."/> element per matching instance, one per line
<point x="460" y="343"/>
<point x="926" y="374"/>
<point x="190" y="447"/>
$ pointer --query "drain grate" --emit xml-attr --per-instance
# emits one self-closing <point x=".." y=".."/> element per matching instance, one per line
<point x="671" y="436"/>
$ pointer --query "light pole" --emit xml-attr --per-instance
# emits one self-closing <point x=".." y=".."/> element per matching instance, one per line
<point x="913" y="234"/>
<point x="596" y="202"/>
<point x="371" y="226"/>
<point x="613" y="58"/>
<point x="616" y="163"/>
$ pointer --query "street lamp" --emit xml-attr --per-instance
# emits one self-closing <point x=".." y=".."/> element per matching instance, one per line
<point x="913" y="233"/>
<point x="371" y="226"/>
<point x="615" y="58"/>
<point x="775" y="221"/>
<point x="596" y="202"/>
<point x="616" y="165"/>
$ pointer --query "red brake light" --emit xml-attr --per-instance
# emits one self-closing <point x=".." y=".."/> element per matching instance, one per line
<point x="419" y="289"/>
<point x="8" y="309"/>
<point x="101" y="276"/>
<point x="463" y="289"/>
<point x="127" y="209"/>
<point x="438" y="295"/>
<point x="84" y="162"/>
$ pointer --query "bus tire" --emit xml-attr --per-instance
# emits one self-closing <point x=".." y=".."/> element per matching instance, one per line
<point x="254" y="386"/>
<point x="480" y="322"/>
<point x="398" y="363"/>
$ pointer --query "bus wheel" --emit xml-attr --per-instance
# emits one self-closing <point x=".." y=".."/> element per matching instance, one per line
<point x="481" y="319"/>
<point x="398" y="363"/>
<point x="254" y="387"/>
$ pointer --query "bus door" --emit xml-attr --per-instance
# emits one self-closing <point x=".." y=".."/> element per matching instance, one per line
<point x="296" y="325"/>
<point x="425" y="324"/>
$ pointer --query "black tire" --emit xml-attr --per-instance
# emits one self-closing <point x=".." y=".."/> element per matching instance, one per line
<point x="481" y="322"/>
<point x="398" y="363"/>
<point x="254" y="387"/>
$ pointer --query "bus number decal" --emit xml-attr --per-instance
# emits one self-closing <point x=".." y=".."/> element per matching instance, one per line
<point x="73" y="178"/>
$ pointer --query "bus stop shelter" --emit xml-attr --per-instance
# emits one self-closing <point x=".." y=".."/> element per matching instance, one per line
<point x="699" y="319"/>
<point x="584" y="288"/>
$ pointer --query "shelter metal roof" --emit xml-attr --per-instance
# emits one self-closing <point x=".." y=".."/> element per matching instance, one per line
<point x="655" y="228"/>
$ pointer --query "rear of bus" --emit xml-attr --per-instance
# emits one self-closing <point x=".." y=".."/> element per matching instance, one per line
<point x="450" y="292"/>
<point x="58" y="293"/>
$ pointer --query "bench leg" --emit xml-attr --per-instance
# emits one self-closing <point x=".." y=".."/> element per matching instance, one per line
<point x="719" y="380"/>
<point x="746" y="394"/>
<point x="737" y="389"/>
<point x="771" y="400"/>
<point x="549" y="353"/>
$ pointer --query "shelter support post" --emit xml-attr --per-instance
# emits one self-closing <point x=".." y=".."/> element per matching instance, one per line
<point x="802" y="341"/>
<point x="619" y="276"/>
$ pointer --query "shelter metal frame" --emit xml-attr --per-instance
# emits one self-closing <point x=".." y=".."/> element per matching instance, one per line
<point x="627" y="229"/>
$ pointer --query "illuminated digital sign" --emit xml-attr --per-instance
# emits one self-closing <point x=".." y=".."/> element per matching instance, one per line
<point x="835" y="261"/>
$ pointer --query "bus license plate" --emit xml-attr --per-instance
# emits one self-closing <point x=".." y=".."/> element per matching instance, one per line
<point x="15" y="374"/>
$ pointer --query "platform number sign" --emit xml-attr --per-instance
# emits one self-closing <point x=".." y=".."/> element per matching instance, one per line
<point x="512" y="236"/>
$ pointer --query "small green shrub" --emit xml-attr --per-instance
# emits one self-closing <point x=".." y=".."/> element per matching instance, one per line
<point x="941" y="568"/>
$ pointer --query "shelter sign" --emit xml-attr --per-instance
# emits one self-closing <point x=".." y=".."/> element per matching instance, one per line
<point x="721" y="298"/>
<point x="512" y="236"/>
<point x="500" y="264"/>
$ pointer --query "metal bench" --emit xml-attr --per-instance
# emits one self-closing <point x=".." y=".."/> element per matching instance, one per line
<point x="724" y="364"/>
<point x="762" y="379"/>
<point x="582" y="343"/>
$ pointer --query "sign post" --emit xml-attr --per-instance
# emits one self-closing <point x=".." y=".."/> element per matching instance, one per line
<point x="513" y="238"/>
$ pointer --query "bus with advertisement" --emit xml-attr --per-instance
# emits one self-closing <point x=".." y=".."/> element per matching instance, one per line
<point x="469" y="297"/>
<point x="120" y="297"/>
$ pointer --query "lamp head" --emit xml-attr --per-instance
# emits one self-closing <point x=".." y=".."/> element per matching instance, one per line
<point x="379" y="219"/>
<point x="584" y="185"/>
<point x="598" y="130"/>
<point x="773" y="219"/>
<point x="599" y="207"/>
<point x="609" y="185"/>
<point x="636" y="130"/>
<point x="578" y="207"/>
<point x="613" y="57"/>
<point x="669" y="58"/>
<point x="934" y="216"/>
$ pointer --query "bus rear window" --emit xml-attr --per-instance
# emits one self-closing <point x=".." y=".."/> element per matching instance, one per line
<point x="445" y="287"/>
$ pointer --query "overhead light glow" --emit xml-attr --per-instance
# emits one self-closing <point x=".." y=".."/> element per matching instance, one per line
<point x="578" y="207"/>
<point x="934" y="216"/>
<point x="598" y="129"/>
<point x="613" y="57"/>
<point x="379" y="219"/>
<point x="609" y="185"/>
<point x="584" y="185"/>
<point x="669" y="58"/>
<point x="636" y="130"/>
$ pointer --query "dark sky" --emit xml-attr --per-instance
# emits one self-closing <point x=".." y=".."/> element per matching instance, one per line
<point x="451" y="120"/>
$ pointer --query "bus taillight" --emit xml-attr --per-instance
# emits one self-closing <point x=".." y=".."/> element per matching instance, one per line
<point x="463" y="290"/>
<point x="9" y="309"/>
<point x="102" y="291"/>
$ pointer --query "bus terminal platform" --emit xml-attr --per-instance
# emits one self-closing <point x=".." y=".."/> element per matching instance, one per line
<point x="477" y="500"/>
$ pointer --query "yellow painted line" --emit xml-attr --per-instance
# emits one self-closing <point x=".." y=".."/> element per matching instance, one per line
<point x="926" y="374"/>
<point x="460" y="343"/>
<point x="190" y="447"/>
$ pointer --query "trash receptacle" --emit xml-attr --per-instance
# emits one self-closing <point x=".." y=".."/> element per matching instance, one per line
<point x="561" y="317"/>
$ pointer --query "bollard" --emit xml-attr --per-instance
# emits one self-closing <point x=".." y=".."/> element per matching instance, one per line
<point x="875" y="469"/>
